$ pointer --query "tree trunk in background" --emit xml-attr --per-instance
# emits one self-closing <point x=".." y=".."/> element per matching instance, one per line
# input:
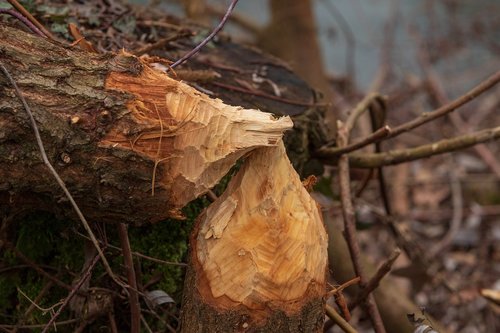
<point x="292" y="36"/>
<point x="196" y="10"/>
<point x="258" y="255"/>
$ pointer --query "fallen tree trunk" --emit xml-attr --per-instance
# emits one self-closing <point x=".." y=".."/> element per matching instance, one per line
<point x="131" y="144"/>
<point x="258" y="254"/>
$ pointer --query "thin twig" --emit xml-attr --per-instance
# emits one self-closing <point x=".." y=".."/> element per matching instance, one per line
<point x="161" y="43"/>
<point x="350" y="224"/>
<point x="30" y="17"/>
<point x="33" y="326"/>
<point x="71" y="294"/>
<point x="344" y="286"/>
<point x="340" y="299"/>
<point x="23" y="19"/>
<point x="365" y="160"/>
<point x="145" y="323"/>
<point x="112" y="322"/>
<point x="57" y="177"/>
<point x="208" y="38"/>
<point x="135" y="311"/>
<point x="437" y="92"/>
<point x="337" y="319"/>
<point x="445" y="109"/>
<point x="375" y="280"/>
<point x="243" y="20"/>
<point x="140" y="255"/>
<point x="361" y="108"/>
<point x="263" y="94"/>
<point x="34" y="305"/>
<point x="375" y="137"/>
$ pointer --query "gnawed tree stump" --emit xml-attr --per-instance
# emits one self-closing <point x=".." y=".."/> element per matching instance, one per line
<point x="258" y="254"/>
<point x="132" y="144"/>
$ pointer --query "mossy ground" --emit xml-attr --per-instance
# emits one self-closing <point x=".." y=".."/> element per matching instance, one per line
<point x="58" y="247"/>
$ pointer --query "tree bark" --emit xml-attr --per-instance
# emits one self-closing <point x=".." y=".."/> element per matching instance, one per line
<point x="258" y="254"/>
<point x="131" y="144"/>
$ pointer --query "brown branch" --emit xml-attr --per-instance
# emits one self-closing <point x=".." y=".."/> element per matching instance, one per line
<point x="30" y="17"/>
<point x="450" y="107"/>
<point x="363" y="160"/>
<point x="375" y="280"/>
<point x="437" y="92"/>
<point x="208" y="38"/>
<point x="33" y="305"/>
<point x="23" y="19"/>
<point x="242" y="20"/>
<point x="360" y="108"/>
<point x="162" y="42"/>
<point x="377" y="136"/>
<point x="262" y="94"/>
<point x="71" y="294"/>
<point x="350" y="225"/>
<point x="140" y="255"/>
<point x="135" y="311"/>
<point x="337" y="319"/>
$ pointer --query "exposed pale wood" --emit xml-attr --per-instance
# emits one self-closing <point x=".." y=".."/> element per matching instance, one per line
<point x="261" y="246"/>
<point x="194" y="138"/>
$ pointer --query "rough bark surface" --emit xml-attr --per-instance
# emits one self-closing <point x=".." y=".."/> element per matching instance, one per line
<point x="132" y="144"/>
<point x="258" y="259"/>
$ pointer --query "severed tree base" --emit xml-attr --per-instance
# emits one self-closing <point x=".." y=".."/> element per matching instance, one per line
<point x="258" y="254"/>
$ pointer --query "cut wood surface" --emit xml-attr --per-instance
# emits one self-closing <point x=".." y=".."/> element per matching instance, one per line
<point x="132" y="144"/>
<point x="258" y="256"/>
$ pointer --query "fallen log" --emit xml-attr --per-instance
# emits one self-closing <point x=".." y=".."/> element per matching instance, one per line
<point x="132" y="144"/>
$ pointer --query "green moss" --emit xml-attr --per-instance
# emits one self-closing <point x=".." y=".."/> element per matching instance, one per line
<point x="48" y="241"/>
<point x="41" y="238"/>
<point x="168" y="241"/>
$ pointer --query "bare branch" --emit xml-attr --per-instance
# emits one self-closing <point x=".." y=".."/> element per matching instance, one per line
<point x="73" y="292"/>
<point x="337" y="319"/>
<point x="31" y="18"/>
<point x="363" y="160"/>
<point x="377" y="136"/>
<point x="23" y="19"/>
<point x="450" y="107"/>
<point x="350" y="225"/>
<point x="375" y="280"/>
<point x="208" y="38"/>
<point x="135" y="310"/>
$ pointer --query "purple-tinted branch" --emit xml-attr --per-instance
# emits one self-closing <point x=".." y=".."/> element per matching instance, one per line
<point x="23" y="19"/>
<point x="208" y="38"/>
